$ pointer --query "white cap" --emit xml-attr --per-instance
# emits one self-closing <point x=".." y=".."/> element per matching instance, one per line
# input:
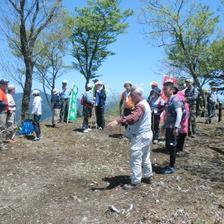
<point x="64" y="81"/>
<point x="189" y="80"/>
<point x="55" y="91"/>
<point x="99" y="83"/>
<point x="90" y="85"/>
<point x="36" y="92"/>
<point x="11" y="87"/>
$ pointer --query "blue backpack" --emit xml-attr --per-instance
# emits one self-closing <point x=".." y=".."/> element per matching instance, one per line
<point x="27" y="127"/>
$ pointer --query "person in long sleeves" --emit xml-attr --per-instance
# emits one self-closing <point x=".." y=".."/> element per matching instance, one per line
<point x="212" y="102"/>
<point x="100" y="104"/>
<point x="153" y="100"/>
<point x="56" y="107"/>
<point x="140" y="134"/>
<point x="3" y="112"/>
<point x="87" y="102"/>
<point x="191" y="95"/>
<point x="172" y="123"/>
<point x="64" y="95"/>
<point x="11" y="115"/>
<point x="37" y="112"/>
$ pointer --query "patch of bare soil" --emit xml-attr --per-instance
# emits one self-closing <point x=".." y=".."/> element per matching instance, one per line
<point x="74" y="177"/>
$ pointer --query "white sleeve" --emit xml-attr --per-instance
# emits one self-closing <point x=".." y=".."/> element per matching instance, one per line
<point x="179" y="117"/>
<point x="35" y="106"/>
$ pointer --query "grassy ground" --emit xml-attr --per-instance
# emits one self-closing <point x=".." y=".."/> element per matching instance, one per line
<point x="72" y="177"/>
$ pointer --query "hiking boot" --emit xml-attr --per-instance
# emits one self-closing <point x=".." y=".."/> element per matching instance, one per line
<point x="193" y="136"/>
<point x="131" y="186"/>
<point x="155" y="141"/>
<point x="89" y="129"/>
<point x="168" y="170"/>
<point x="147" y="180"/>
<point x="85" y="131"/>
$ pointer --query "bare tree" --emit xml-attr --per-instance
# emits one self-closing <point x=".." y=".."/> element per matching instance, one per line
<point x="22" y="27"/>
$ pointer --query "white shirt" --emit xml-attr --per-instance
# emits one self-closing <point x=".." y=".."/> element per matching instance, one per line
<point x="37" y="109"/>
<point x="11" y="102"/>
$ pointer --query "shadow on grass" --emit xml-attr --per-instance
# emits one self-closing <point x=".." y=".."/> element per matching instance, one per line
<point x="114" y="182"/>
<point x="161" y="150"/>
<point x="48" y="125"/>
<point x="78" y="130"/>
<point x="116" y="136"/>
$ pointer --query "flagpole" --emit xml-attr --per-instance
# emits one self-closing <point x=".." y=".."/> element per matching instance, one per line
<point x="69" y="105"/>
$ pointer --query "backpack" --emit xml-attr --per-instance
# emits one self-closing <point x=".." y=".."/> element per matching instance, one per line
<point x="27" y="127"/>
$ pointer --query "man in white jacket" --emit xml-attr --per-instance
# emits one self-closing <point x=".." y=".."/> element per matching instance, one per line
<point x="37" y="112"/>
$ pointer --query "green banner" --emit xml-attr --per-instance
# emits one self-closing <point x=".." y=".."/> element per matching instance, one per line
<point x="72" y="113"/>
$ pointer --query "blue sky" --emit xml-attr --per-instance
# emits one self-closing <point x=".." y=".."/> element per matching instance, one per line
<point x="136" y="58"/>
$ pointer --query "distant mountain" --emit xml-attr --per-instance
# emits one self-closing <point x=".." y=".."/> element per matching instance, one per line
<point x="111" y="102"/>
<point x="46" y="110"/>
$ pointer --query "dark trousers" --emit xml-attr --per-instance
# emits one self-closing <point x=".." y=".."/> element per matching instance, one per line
<point x="64" y="110"/>
<point x="100" y="117"/>
<point x="87" y="113"/>
<point x="155" y="126"/>
<point x="211" y="111"/>
<point x="36" y="122"/>
<point x="174" y="144"/>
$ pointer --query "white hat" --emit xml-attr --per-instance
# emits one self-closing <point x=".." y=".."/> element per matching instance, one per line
<point x="36" y="92"/>
<point x="99" y="83"/>
<point x="55" y="91"/>
<point x="90" y="85"/>
<point x="189" y="80"/>
<point x="64" y="81"/>
<point x="11" y="87"/>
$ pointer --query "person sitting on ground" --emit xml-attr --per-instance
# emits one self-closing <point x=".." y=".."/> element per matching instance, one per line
<point x="140" y="134"/>
<point x="56" y="107"/>
<point x="100" y="104"/>
<point x="154" y="100"/>
<point x="212" y="102"/>
<point x="36" y="112"/>
<point x="11" y="115"/>
<point x="126" y="101"/>
<point x="88" y="103"/>
<point x="3" y="112"/>
<point x="172" y="123"/>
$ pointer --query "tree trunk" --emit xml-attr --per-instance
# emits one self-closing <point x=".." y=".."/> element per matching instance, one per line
<point x="27" y="90"/>
<point x="87" y="81"/>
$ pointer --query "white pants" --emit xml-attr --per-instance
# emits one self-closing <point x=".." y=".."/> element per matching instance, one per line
<point x="140" y="157"/>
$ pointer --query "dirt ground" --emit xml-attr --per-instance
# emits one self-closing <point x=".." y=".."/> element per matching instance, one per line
<point x="73" y="177"/>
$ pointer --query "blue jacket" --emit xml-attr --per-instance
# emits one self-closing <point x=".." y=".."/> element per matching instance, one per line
<point x="101" y="97"/>
<point x="56" y="102"/>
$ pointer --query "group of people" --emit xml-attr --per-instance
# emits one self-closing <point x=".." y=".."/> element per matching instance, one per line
<point x="93" y="101"/>
<point x="7" y="114"/>
<point x="171" y="109"/>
